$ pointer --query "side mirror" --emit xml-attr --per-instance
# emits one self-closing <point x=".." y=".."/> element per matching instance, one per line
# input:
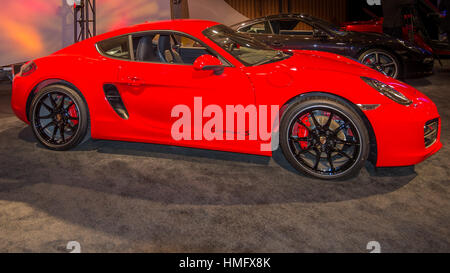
<point x="209" y="62"/>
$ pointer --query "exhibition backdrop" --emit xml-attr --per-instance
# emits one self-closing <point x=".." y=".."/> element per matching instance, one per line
<point x="34" y="28"/>
<point x="215" y="10"/>
<point x="331" y="10"/>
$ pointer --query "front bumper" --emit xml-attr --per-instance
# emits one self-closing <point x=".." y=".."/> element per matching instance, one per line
<point x="418" y="66"/>
<point x="400" y="134"/>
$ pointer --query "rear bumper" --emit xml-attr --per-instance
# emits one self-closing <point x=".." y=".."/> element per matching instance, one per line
<point x="20" y="90"/>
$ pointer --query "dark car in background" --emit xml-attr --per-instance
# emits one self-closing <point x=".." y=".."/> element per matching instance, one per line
<point x="391" y="56"/>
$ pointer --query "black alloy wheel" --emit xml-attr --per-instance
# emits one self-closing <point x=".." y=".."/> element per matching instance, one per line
<point x="59" y="117"/>
<point x="324" y="138"/>
<point x="381" y="61"/>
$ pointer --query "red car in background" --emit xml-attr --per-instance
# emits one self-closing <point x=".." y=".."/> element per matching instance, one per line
<point x="335" y="113"/>
<point x="410" y="33"/>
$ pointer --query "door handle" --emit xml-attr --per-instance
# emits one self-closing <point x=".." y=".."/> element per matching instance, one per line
<point x="134" y="81"/>
<point x="277" y="44"/>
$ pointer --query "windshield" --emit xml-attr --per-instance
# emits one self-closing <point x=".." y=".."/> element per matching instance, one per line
<point x="244" y="48"/>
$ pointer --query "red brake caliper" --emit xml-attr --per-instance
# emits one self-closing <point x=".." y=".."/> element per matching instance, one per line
<point x="73" y="113"/>
<point x="303" y="132"/>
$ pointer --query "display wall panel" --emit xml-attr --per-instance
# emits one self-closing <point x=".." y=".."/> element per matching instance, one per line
<point x="331" y="10"/>
<point x="214" y="10"/>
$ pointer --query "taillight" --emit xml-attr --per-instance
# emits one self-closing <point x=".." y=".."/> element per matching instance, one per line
<point x="27" y="69"/>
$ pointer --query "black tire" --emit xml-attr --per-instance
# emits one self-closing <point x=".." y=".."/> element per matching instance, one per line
<point x="344" y="132"/>
<point x="383" y="57"/>
<point x="59" y="117"/>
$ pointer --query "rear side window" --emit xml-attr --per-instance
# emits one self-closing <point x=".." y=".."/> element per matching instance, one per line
<point x="291" y="27"/>
<point x="116" y="47"/>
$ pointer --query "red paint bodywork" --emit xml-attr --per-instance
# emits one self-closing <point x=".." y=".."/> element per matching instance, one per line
<point x="399" y="130"/>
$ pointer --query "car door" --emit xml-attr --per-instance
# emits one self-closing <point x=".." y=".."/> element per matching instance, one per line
<point x="298" y="34"/>
<point x="161" y="77"/>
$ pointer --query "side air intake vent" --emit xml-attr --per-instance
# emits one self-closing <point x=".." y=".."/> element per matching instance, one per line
<point x="115" y="100"/>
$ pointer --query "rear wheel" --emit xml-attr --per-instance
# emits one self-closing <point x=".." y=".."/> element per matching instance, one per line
<point x="324" y="137"/>
<point x="59" y="117"/>
<point x="382" y="61"/>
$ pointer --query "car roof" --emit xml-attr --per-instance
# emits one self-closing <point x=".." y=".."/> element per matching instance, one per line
<point x="188" y="26"/>
<point x="276" y="16"/>
<point x="289" y="15"/>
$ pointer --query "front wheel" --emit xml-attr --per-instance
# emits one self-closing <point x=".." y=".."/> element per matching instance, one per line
<point x="59" y="117"/>
<point x="324" y="138"/>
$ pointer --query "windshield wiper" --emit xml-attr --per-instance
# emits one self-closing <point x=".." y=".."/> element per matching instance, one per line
<point x="280" y="56"/>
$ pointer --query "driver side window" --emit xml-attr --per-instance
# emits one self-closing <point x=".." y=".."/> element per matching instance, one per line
<point x="292" y="27"/>
<point x="164" y="47"/>
<point x="189" y="49"/>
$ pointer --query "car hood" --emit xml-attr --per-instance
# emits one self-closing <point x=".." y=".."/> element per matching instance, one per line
<point x="317" y="65"/>
<point x="318" y="60"/>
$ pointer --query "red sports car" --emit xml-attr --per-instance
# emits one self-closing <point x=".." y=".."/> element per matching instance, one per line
<point x="132" y="84"/>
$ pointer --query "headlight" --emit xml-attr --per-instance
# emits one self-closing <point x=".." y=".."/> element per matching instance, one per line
<point x="387" y="91"/>
<point x="428" y="60"/>
<point x="411" y="46"/>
